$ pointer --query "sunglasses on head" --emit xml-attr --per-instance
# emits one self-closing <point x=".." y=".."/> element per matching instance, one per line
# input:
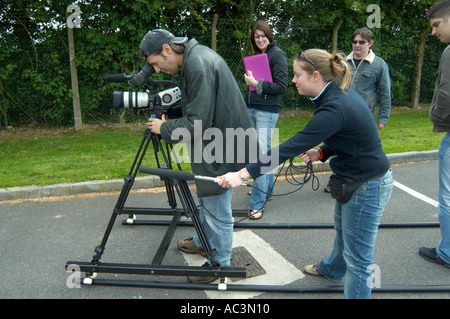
<point x="302" y="56"/>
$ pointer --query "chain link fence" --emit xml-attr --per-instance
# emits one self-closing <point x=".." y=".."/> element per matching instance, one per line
<point x="35" y="85"/>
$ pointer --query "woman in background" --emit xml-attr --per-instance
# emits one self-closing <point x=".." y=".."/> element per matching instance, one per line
<point x="264" y="106"/>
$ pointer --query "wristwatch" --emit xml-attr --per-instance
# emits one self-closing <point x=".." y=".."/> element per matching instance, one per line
<point x="241" y="175"/>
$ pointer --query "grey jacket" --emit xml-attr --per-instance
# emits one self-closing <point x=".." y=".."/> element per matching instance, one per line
<point x="215" y="124"/>
<point x="372" y="81"/>
<point x="440" y="105"/>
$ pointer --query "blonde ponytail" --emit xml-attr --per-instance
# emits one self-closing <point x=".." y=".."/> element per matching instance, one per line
<point x="332" y="67"/>
<point x="340" y="70"/>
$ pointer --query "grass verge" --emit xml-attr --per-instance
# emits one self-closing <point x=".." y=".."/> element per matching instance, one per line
<point x="52" y="156"/>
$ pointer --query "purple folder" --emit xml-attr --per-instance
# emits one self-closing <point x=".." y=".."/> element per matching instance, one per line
<point x="259" y="65"/>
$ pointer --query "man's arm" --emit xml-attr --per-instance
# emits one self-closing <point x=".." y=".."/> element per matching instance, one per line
<point x="384" y="96"/>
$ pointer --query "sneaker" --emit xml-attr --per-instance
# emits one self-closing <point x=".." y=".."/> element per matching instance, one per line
<point x="431" y="255"/>
<point x="189" y="247"/>
<point x="203" y="279"/>
<point x="312" y="270"/>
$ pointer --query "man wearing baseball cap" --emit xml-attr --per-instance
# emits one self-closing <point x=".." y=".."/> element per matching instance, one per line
<point x="211" y="100"/>
<point x="155" y="39"/>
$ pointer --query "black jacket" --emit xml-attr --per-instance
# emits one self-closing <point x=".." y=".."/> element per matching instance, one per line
<point x="270" y="99"/>
<point x="345" y="124"/>
<point x="213" y="108"/>
<point x="440" y="106"/>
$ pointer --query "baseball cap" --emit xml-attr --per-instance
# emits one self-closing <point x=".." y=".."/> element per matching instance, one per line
<point x="155" y="39"/>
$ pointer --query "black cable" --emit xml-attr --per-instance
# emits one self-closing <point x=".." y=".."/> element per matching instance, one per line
<point x="292" y="170"/>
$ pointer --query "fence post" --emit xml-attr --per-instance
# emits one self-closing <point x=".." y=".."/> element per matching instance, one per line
<point x="74" y="79"/>
<point x="419" y="47"/>
<point x="334" y="41"/>
<point x="214" y="32"/>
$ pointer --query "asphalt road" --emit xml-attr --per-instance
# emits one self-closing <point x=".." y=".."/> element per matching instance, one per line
<point x="38" y="237"/>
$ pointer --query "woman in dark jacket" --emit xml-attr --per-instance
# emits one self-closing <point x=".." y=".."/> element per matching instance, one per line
<point x="345" y="125"/>
<point x="264" y="105"/>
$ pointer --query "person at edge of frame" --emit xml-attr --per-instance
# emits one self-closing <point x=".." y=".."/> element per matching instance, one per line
<point x="264" y="106"/>
<point x="439" y="17"/>
<point x="209" y="96"/>
<point x="345" y="125"/>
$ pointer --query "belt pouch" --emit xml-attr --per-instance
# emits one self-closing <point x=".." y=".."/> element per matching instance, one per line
<point x="342" y="188"/>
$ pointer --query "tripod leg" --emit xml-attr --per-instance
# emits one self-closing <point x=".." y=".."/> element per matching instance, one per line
<point x="157" y="147"/>
<point x="193" y="212"/>
<point x="168" y="183"/>
<point x="129" y="181"/>
<point x="187" y="201"/>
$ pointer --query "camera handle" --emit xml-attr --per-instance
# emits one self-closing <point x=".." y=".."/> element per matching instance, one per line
<point x="150" y="83"/>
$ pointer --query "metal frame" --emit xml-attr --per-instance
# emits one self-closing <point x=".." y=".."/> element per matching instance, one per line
<point x="156" y="267"/>
<point x="263" y="288"/>
<point x="190" y="209"/>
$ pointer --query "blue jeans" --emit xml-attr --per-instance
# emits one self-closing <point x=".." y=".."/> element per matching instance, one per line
<point x="217" y="220"/>
<point x="356" y="223"/>
<point x="264" y="123"/>
<point x="443" y="249"/>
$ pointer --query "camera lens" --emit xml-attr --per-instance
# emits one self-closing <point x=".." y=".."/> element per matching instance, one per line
<point x="130" y="99"/>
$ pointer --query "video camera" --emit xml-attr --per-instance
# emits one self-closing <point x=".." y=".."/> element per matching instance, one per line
<point x="158" y="103"/>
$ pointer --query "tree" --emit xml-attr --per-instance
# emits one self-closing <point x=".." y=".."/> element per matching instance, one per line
<point x="35" y="77"/>
<point x="408" y="19"/>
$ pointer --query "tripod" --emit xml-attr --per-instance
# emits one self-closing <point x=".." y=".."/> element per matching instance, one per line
<point x="189" y="209"/>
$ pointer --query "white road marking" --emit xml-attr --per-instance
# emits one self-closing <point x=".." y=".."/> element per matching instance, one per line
<point x="416" y="194"/>
<point x="278" y="270"/>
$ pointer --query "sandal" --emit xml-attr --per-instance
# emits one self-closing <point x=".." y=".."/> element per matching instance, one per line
<point x="256" y="212"/>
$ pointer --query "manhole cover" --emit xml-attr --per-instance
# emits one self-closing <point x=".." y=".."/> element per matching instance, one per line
<point x="240" y="257"/>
